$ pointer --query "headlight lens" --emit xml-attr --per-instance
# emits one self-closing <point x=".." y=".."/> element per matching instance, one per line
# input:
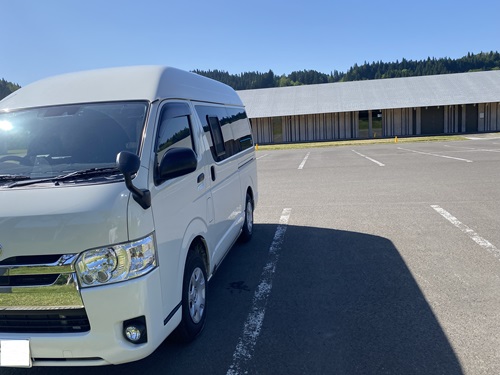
<point x="116" y="263"/>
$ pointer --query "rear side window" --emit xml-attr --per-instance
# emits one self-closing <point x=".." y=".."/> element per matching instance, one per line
<point x="174" y="129"/>
<point x="217" y="138"/>
<point x="238" y="119"/>
<point x="226" y="128"/>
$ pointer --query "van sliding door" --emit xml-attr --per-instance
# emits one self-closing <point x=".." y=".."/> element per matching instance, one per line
<point x="224" y="178"/>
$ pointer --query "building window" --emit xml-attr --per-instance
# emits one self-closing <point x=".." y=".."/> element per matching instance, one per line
<point x="277" y="130"/>
<point x="363" y="125"/>
<point x="377" y="123"/>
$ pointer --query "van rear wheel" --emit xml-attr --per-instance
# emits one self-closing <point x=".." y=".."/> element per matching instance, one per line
<point x="193" y="297"/>
<point x="247" y="230"/>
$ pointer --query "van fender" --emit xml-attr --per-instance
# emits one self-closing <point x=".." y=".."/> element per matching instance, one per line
<point x="248" y="183"/>
<point x="197" y="228"/>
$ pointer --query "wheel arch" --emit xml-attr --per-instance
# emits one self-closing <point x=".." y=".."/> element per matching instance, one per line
<point x="195" y="233"/>
<point x="250" y="193"/>
<point x="202" y="249"/>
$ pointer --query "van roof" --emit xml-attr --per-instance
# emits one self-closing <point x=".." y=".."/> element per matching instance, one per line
<point x="118" y="84"/>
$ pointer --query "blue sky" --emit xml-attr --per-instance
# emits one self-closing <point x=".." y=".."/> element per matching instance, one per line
<point x="40" y="38"/>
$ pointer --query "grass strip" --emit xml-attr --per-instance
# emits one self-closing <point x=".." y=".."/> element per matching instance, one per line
<point x="359" y="142"/>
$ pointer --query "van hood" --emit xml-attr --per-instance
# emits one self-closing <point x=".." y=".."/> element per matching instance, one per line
<point x="62" y="220"/>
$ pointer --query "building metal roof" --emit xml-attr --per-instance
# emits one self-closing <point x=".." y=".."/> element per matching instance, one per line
<point x="425" y="91"/>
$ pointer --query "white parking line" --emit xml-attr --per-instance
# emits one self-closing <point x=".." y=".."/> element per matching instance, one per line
<point x="437" y="155"/>
<point x="304" y="161"/>
<point x="471" y="148"/>
<point x="251" y="329"/>
<point x="366" y="157"/>
<point x="485" y="244"/>
<point x="263" y="156"/>
<point x="482" y="138"/>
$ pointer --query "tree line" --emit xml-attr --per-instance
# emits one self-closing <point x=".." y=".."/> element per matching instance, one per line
<point x="6" y="88"/>
<point x="374" y="70"/>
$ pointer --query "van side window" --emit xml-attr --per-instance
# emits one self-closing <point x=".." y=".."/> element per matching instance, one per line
<point x="217" y="138"/>
<point x="218" y="131"/>
<point x="174" y="129"/>
<point x="229" y="128"/>
<point x="204" y="112"/>
<point x="238" y="119"/>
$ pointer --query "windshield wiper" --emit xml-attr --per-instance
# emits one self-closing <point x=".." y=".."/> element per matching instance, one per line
<point x="13" y="177"/>
<point x="85" y="173"/>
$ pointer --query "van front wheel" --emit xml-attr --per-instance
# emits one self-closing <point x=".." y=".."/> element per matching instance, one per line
<point x="193" y="298"/>
<point x="247" y="231"/>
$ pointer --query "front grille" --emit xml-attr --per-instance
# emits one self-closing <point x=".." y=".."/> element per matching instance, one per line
<point x="40" y="294"/>
<point x="32" y="259"/>
<point x="44" y="321"/>
<point x="28" y="280"/>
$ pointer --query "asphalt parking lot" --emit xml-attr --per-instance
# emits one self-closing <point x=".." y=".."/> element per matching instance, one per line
<point x="380" y="259"/>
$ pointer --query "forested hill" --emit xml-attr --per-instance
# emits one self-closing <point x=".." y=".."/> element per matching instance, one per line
<point x="375" y="70"/>
<point x="6" y="88"/>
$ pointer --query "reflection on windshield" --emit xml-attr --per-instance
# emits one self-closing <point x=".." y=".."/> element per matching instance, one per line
<point x="45" y="142"/>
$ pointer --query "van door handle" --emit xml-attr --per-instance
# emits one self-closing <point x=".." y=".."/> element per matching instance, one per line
<point x="201" y="177"/>
<point x="212" y="172"/>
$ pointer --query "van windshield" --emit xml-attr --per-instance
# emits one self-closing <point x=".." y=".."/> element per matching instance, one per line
<point x="41" y="143"/>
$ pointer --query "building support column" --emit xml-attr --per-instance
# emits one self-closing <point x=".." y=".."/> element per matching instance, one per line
<point x="370" y="124"/>
<point x="419" y="121"/>
<point x="464" y="119"/>
<point x="481" y="117"/>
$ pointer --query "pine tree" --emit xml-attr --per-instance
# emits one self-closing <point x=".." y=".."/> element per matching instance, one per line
<point x="375" y="70"/>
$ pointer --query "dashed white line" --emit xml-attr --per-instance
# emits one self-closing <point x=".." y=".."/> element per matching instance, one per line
<point x="481" y="138"/>
<point x="366" y="157"/>
<point x="253" y="325"/>
<point x="304" y="161"/>
<point x="437" y="155"/>
<point x="472" y="149"/>
<point x="485" y="244"/>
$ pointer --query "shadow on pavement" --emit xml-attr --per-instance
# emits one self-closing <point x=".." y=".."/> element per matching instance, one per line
<point x="341" y="303"/>
<point x="346" y="303"/>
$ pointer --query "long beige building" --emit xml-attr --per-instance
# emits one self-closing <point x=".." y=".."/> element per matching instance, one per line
<point x="441" y="104"/>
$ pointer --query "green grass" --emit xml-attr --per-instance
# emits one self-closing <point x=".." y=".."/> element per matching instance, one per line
<point x="40" y="270"/>
<point x="65" y="295"/>
<point x="359" y="142"/>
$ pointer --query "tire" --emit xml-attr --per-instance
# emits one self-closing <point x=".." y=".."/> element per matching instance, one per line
<point x="193" y="297"/>
<point x="247" y="230"/>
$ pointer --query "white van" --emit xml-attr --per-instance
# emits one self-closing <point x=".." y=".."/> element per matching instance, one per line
<point x="121" y="192"/>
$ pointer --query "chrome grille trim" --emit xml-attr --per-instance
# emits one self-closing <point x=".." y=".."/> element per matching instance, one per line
<point x="40" y="294"/>
<point x="63" y="265"/>
<point x="39" y="286"/>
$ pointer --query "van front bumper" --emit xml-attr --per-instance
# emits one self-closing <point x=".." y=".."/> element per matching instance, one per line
<point x="107" y="307"/>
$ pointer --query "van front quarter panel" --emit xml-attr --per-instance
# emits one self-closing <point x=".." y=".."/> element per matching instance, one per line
<point x="90" y="275"/>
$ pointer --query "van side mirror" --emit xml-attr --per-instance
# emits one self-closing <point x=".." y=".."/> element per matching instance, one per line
<point x="129" y="163"/>
<point x="176" y="162"/>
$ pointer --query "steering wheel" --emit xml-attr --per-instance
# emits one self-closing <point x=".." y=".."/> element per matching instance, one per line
<point x="19" y="159"/>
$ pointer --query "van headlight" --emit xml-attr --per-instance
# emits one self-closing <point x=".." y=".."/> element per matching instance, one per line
<point x="116" y="263"/>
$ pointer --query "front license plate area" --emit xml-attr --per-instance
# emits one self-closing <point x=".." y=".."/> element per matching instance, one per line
<point x="15" y="353"/>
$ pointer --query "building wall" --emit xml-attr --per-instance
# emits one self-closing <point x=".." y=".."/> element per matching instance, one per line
<point x="395" y="122"/>
<point x="306" y="128"/>
<point x="489" y="117"/>
<point x="399" y="121"/>
<point x="454" y="119"/>
<point x="483" y="117"/>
